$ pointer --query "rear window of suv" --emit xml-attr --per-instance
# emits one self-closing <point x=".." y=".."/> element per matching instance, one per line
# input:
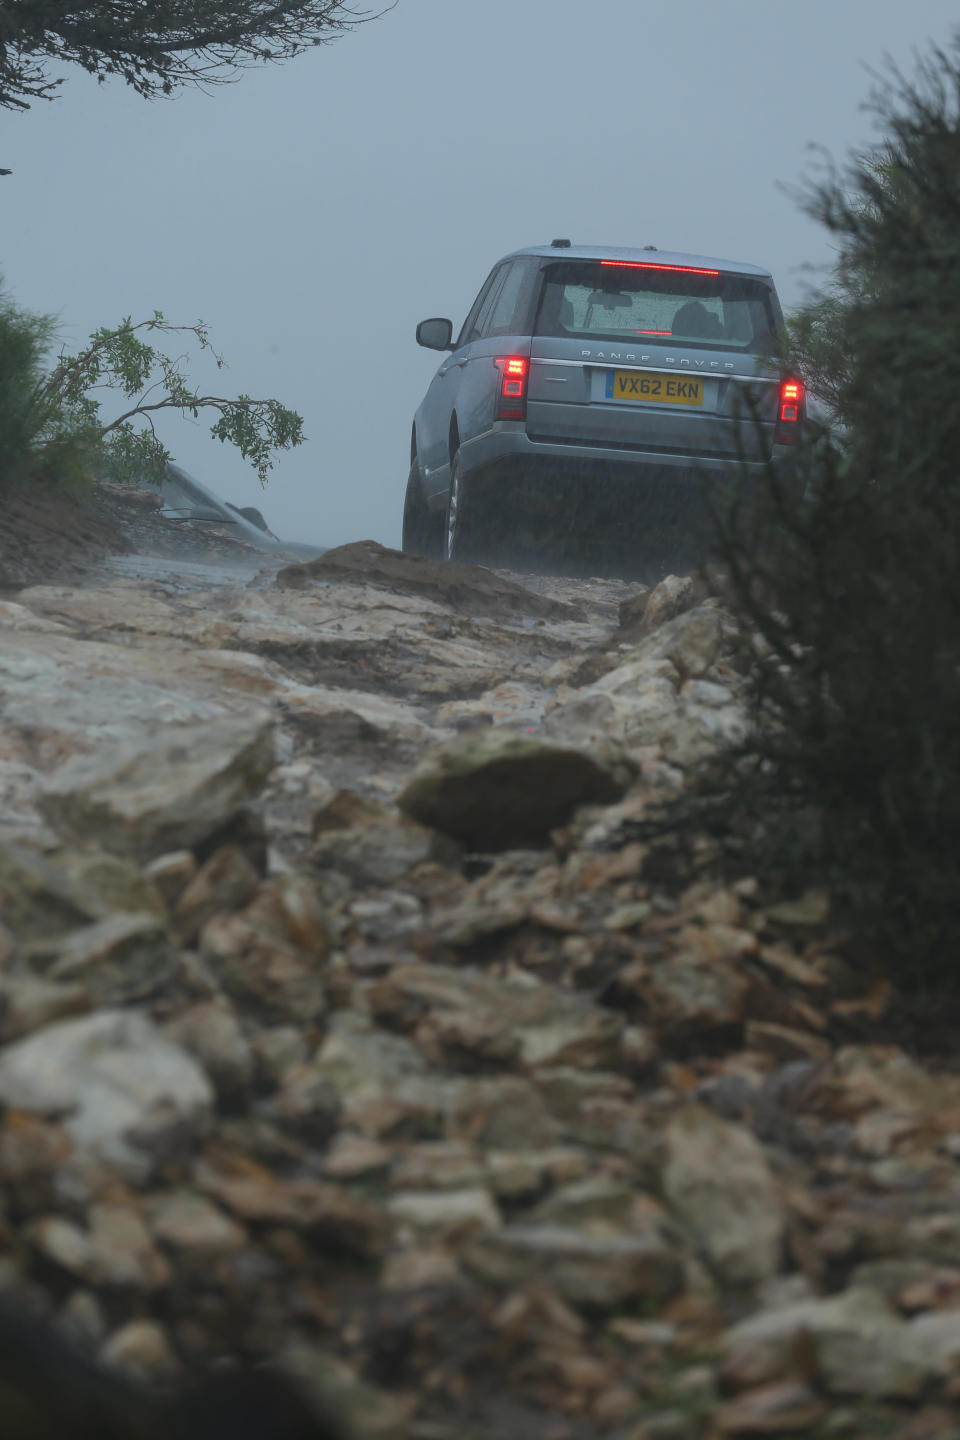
<point x="610" y="301"/>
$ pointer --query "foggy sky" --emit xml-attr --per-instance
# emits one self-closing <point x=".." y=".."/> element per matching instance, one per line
<point x="313" y="212"/>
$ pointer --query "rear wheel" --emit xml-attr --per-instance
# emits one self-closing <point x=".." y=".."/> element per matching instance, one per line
<point x="423" y="528"/>
<point x="468" y="534"/>
<point x="496" y="519"/>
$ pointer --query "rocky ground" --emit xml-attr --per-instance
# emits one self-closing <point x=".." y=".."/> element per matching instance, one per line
<point x="347" y="1023"/>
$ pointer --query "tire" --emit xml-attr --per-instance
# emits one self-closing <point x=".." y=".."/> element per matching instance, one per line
<point x="487" y="521"/>
<point x="423" y="529"/>
<point x="459" y="532"/>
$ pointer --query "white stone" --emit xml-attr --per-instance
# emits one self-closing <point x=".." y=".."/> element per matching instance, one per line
<point x="718" y="1183"/>
<point x="107" y="1074"/>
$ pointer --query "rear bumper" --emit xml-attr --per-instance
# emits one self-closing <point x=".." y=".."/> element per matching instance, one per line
<point x="509" y="450"/>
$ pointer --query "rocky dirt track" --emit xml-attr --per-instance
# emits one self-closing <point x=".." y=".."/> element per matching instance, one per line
<point x="347" y="1024"/>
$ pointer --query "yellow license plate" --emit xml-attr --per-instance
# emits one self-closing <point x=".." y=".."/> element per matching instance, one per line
<point x="641" y="389"/>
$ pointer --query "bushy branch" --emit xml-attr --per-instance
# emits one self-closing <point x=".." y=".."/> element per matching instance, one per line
<point x="847" y="581"/>
<point x="157" y="46"/>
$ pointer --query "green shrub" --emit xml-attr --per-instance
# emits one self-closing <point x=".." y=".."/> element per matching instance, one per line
<point x="39" y="439"/>
<point x="851" y="775"/>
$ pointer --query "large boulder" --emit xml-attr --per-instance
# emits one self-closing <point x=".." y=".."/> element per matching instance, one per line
<point x="172" y="788"/>
<point x="471" y="589"/>
<point x="496" y="790"/>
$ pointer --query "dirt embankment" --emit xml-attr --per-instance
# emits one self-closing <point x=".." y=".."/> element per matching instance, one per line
<point x="46" y="535"/>
<point x="348" y="1022"/>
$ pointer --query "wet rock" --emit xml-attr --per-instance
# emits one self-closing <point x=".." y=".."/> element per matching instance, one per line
<point x="718" y="1183"/>
<point x="662" y="695"/>
<point x="441" y="1216"/>
<point x="470" y="589"/>
<point x="332" y="1388"/>
<point x="82" y="1321"/>
<point x="170" y="874"/>
<point x="279" y="980"/>
<point x="276" y="1049"/>
<point x="328" y="1215"/>
<point x="897" y="1277"/>
<point x="940" y="1330"/>
<point x="382" y="853"/>
<point x="212" y="1034"/>
<point x="272" y="954"/>
<point x="667" y="1425"/>
<point x="27" y="1004"/>
<point x="494" y="789"/>
<point x="936" y="1237"/>
<point x="513" y="1175"/>
<point x="116" y="1251"/>
<point x="193" y="1228"/>
<point x="786" y="1043"/>
<point x="141" y="1352"/>
<point x="502" y="1112"/>
<point x="866" y="1077"/>
<point x="352" y="1157"/>
<point x="586" y="1200"/>
<point x="35" y="1156"/>
<point x="170" y="791"/>
<point x="306" y="1105"/>
<point x="109" y="1075"/>
<point x="856" y="1345"/>
<point x="438" y="1165"/>
<point x="642" y="614"/>
<point x="594" y="1272"/>
<point x="48" y="895"/>
<point x="685" y="993"/>
<point x="566" y="1089"/>
<point x="288" y="909"/>
<point x="469" y="1015"/>
<point x="123" y="1254"/>
<point x="120" y="960"/>
<point x="784" y="1408"/>
<point x="363" y="1063"/>
<point x="62" y="1242"/>
<point x="225" y="882"/>
<point x="421" y="1271"/>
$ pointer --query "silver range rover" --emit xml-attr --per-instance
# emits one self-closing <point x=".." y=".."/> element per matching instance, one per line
<point x="592" y="385"/>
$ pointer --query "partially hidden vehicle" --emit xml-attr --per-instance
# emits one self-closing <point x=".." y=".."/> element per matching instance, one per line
<point x="591" y="384"/>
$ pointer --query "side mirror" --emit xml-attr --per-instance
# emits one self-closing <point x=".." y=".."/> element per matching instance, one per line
<point x="435" y="334"/>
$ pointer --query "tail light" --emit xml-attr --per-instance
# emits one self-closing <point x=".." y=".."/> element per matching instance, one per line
<point x="513" y="387"/>
<point x="790" y="412"/>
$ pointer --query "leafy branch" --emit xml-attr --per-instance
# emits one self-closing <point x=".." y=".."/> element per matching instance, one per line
<point x="123" y="360"/>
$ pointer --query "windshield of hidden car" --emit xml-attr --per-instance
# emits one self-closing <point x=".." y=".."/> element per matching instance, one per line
<point x="609" y="300"/>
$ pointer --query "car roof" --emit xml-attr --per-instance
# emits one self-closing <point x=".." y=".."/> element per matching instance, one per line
<point x="647" y="257"/>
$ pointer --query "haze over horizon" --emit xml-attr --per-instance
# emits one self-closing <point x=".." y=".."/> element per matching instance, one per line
<point x="313" y="212"/>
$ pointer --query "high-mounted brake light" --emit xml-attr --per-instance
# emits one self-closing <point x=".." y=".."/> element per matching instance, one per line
<point x="650" y="265"/>
<point x="792" y="395"/>
<point x="513" y="390"/>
